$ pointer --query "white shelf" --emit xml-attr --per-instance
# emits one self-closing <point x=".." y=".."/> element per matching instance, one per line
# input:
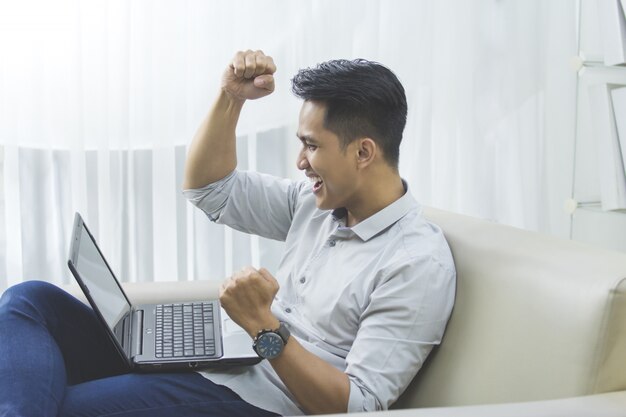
<point x="590" y="223"/>
<point x="586" y="172"/>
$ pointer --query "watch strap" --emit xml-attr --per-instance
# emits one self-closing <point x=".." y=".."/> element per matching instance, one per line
<point x="283" y="332"/>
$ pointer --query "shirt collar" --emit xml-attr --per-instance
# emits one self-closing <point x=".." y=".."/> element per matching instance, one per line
<point x="381" y="220"/>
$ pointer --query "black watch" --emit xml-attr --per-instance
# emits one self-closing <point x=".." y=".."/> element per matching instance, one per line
<point x="269" y="344"/>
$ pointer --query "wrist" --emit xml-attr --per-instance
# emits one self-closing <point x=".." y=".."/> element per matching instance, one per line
<point x="266" y="323"/>
<point x="231" y="100"/>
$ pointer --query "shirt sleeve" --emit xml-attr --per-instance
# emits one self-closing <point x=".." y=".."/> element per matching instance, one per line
<point x="250" y="202"/>
<point x="405" y="318"/>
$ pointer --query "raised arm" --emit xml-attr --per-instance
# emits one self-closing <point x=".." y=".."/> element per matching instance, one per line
<point x="212" y="153"/>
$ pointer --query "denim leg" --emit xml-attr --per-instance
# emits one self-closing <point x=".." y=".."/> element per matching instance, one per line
<point x="56" y="360"/>
<point x="156" y="395"/>
<point x="48" y="340"/>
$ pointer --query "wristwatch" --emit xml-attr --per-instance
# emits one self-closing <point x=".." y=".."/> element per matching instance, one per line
<point x="269" y="344"/>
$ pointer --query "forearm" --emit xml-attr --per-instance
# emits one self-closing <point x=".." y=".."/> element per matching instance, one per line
<point x="318" y="387"/>
<point x="212" y="153"/>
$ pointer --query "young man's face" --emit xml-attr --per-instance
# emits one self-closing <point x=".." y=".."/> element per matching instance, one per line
<point x="332" y="170"/>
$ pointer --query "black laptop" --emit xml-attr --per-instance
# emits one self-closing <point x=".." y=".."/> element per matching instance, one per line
<point x="156" y="337"/>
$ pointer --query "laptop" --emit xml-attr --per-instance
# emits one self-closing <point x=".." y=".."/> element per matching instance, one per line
<point x="155" y="337"/>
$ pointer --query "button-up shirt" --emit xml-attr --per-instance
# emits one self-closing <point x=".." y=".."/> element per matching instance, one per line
<point x="371" y="299"/>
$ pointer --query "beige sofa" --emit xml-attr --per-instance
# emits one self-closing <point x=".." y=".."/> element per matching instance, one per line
<point x="538" y="328"/>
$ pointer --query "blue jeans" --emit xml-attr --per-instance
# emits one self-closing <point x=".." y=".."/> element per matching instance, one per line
<point x="56" y="360"/>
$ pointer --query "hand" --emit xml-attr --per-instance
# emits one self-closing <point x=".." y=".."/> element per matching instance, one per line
<point x="247" y="297"/>
<point x="249" y="75"/>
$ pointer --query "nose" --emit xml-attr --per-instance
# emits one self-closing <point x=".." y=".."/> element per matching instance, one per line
<point x="301" y="162"/>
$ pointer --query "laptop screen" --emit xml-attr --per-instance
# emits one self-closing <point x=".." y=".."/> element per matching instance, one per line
<point x="100" y="281"/>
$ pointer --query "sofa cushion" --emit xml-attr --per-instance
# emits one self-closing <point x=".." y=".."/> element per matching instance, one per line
<point x="535" y="318"/>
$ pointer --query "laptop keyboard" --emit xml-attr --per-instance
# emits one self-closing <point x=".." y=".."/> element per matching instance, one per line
<point x="184" y="330"/>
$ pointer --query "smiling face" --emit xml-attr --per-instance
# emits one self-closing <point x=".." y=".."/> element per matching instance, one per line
<point x="332" y="170"/>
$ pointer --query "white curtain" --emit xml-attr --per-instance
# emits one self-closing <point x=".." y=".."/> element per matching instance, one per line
<point x="98" y="100"/>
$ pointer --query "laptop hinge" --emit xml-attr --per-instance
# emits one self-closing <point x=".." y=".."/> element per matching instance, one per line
<point x="137" y="333"/>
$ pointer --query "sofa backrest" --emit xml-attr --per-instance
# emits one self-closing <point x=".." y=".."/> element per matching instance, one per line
<point x="535" y="318"/>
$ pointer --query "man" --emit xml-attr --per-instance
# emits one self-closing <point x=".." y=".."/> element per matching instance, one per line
<point x="366" y="284"/>
<point x="363" y="292"/>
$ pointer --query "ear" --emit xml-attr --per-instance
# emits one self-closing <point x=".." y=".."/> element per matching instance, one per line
<point x="366" y="150"/>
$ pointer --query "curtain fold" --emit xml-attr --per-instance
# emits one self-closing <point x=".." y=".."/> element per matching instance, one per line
<point x="99" y="99"/>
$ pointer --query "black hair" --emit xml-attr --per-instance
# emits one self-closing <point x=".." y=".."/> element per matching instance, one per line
<point x="362" y="98"/>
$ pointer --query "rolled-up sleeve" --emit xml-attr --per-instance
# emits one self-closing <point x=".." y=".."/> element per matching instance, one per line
<point x="250" y="202"/>
<point x="406" y="316"/>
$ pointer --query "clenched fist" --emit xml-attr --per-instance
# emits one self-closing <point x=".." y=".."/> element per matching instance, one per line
<point x="249" y="76"/>
<point x="247" y="297"/>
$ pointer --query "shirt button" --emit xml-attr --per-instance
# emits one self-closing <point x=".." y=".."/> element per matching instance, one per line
<point x="302" y="280"/>
<point x="287" y="310"/>
<point x="332" y="243"/>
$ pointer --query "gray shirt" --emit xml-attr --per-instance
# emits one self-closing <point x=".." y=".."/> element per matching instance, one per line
<point x="371" y="300"/>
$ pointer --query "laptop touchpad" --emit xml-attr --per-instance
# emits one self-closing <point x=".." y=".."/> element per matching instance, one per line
<point x="231" y="327"/>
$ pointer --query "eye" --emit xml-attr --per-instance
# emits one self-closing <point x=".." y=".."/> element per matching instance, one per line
<point x="311" y="147"/>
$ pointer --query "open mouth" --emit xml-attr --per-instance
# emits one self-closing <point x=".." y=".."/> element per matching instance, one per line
<point x="317" y="184"/>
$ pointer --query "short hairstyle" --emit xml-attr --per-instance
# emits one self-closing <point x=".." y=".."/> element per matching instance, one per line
<point x="362" y="98"/>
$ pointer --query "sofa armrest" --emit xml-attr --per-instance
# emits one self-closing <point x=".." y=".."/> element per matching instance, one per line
<point x="599" y="405"/>
<point x="158" y="292"/>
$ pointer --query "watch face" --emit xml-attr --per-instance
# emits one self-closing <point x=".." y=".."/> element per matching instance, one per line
<point x="269" y="345"/>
